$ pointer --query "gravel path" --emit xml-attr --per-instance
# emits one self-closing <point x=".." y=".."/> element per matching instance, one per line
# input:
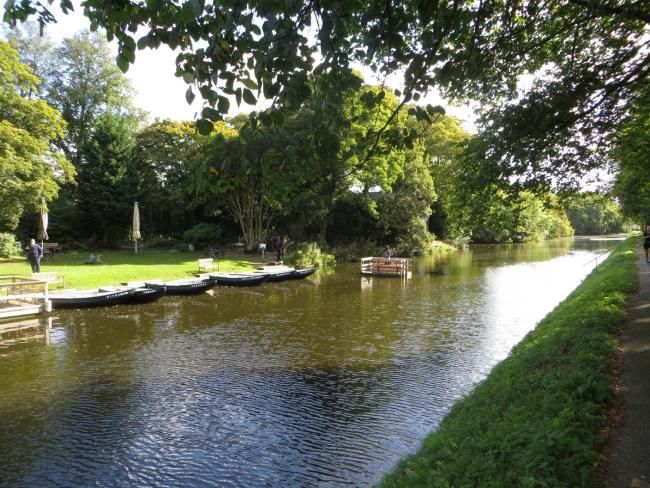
<point x="629" y="461"/>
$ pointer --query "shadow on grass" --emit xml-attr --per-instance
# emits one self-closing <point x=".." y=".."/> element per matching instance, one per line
<point x="147" y="258"/>
<point x="13" y="260"/>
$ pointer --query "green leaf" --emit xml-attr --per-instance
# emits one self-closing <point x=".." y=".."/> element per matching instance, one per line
<point x="122" y="63"/>
<point x="189" y="96"/>
<point x="249" y="98"/>
<point x="129" y="54"/>
<point x="223" y="105"/>
<point x="211" y="114"/>
<point x="187" y="13"/>
<point x="225" y="45"/>
<point x="248" y="83"/>
<point x="204" y="127"/>
<point x="143" y="42"/>
<point x="197" y="7"/>
<point x="188" y="76"/>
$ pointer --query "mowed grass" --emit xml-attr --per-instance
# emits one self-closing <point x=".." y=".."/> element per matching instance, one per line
<point x="536" y="420"/>
<point x="121" y="266"/>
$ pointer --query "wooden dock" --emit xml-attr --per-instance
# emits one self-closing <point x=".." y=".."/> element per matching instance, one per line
<point x="392" y="267"/>
<point x="20" y="296"/>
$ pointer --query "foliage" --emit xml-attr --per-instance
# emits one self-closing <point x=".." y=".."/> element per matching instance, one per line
<point x="594" y="213"/>
<point x="84" y="84"/>
<point x="415" y="239"/>
<point x="497" y="211"/>
<point x="403" y="210"/>
<point x="309" y="254"/>
<point x="160" y="242"/>
<point x="29" y="168"/>
<point x="165" y="155"/>
<point x="354" y="251"/>
<point x="9" y="246"/>
<point x="537" y="418"/>
<point x="630" y="155"/>
<point x="589" y="57"/>
<point x="105" y="192"/>
<point x="203" y="235"/>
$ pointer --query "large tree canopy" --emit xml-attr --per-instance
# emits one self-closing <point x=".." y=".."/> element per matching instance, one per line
<point x="29" y="169"/>
<point x="595" y="55"/>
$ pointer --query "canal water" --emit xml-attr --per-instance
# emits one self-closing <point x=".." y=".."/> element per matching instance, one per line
<point x="327" y="381"/>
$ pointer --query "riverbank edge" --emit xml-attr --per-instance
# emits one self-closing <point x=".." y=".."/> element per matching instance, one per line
<point x="537" y="419"/>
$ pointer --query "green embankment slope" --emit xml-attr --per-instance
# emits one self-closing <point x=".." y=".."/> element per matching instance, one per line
<point x="536" y="420"/>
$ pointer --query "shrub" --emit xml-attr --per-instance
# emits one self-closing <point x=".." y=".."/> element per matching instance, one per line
<point x="9" y="246"/>
<point x="417" y="240"/>
<point x="203" y="235"/>
<point x="308" y="254"/>
<point x="161" y="242"/>
<point x="357" y="250"/>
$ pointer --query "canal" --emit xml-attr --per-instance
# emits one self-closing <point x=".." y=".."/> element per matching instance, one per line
<point x="327" y="381"/>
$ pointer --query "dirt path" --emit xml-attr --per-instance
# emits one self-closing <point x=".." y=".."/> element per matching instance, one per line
<point x="629" y="456"/>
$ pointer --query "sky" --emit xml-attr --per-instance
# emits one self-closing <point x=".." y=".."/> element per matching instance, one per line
<point x="160" y="93"/>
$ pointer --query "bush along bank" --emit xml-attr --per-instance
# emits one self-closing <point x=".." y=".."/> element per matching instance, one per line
<point x="535" y="421"/>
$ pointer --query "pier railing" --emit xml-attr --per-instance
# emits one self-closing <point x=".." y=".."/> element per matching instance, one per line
<point x="374" y="266"/>
<point x="23" y="296"/>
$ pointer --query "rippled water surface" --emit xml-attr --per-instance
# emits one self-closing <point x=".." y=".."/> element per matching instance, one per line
<point x="322" y="382"/>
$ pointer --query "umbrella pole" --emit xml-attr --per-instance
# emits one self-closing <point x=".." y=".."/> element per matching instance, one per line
<point x="136" y="246"/>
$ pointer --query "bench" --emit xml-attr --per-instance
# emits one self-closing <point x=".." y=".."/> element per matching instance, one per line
<point x="52" y="278"/>
<point x="206" y="264"/>
<point x="51" y="247"/>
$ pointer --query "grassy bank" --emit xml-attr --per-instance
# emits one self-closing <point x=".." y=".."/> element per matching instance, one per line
<point x="118" y="266"/>
<point x="535" y="421"/>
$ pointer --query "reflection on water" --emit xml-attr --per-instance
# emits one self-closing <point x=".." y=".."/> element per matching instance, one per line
<point x="322" y="382"/>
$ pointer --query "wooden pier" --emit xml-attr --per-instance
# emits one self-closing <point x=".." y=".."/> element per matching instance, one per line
<point x="20" y="296"/>
<point x="392" y="267"/>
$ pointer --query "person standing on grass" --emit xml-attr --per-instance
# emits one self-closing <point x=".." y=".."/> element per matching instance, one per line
<point x="646" y="242"/>
<point x="279" y="249"/>
<point x="34" y="255"/>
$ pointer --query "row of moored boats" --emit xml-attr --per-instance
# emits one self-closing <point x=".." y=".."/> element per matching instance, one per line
<point x="149" y="291"/>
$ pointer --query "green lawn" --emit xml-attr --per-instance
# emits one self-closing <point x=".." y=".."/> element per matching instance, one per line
<point x="120" y="266"/>
<point x="536" y="420"/>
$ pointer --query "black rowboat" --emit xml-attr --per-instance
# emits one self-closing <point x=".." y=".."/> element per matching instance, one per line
<point x="140" y="294"/>
<point x="236" y="279"/>
<point x="275" y="276"/>
<point x="90" y="298"/>
<point x="303" y="273"/>
<point x="182" y="287"/>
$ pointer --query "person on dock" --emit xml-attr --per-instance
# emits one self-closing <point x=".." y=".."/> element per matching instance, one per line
<point x="646" y="242"/>
<point x="34" y="255"/>
<point x="387" y="253"/>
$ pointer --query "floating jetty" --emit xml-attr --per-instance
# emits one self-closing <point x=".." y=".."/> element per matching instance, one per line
<point x="391" y="267"/>
<point x="20" y="296"/>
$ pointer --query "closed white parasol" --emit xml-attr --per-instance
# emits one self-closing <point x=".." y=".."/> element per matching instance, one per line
<point x="136" y="225"/>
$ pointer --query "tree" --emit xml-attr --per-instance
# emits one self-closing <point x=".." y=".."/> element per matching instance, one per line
<point x="594" y="213"/>
<point x="106" y="191"/>
<point x="166" y="153"/>
<point x="29" y="167"/>
<point x="404" y="210"/>
<point x="630" y="155"/>
<point x="245" y="177"/>
<point x="36" y="51"/>
<point x="84" y="84"/>
<point x="594" y="56"/>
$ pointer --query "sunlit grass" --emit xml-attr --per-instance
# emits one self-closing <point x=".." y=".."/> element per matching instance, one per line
<point x="118" y="267"/>
<point x="535" y="421"/>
